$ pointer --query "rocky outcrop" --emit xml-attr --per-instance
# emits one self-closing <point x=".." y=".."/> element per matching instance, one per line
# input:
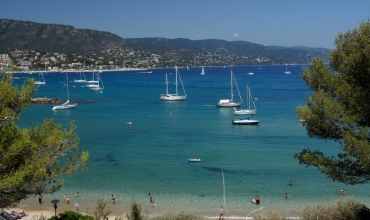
<point x="44" y="100"/>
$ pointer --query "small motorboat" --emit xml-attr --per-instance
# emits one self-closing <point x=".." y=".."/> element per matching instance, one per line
<point x="194" y="159"/>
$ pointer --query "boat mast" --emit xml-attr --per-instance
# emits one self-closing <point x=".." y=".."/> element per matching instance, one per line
<point x="67" y="87"/>
<point x="249" y="97"/>
<point x="177" y="93"/>
<point x="166" y="85"/>
<point x="231" y="86"/>
<point x="224" y="190"/>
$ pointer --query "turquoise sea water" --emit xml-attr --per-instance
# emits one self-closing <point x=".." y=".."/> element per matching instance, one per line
<point x="150" y="155"/>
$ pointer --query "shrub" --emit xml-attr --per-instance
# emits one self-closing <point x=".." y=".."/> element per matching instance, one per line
<point x="179" y="216"/>
<point x="345" y="209"/>
<point x="270" y="216"/>
<point x="101" y="211"/>
<point x="69" y="215"/>
<point x="135" y="212"/>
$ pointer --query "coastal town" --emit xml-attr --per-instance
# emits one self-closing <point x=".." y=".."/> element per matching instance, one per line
<point x="117" y="59"/>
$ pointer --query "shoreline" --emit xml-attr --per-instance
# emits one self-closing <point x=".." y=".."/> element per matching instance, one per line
<point x="118" y="210"/>
<point x="31" y="213"/>
<point x="81" y="71"/>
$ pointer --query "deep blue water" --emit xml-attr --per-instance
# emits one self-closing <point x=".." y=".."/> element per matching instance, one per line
<point x="150" y="155"/>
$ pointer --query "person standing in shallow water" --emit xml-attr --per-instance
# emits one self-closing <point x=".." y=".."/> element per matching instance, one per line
<point x="221" y="214"/>
<point x="112" y="199"/>
<point x="151" y="200"/>
<point x="257" y="200"/>
<point x="40" y="198"/>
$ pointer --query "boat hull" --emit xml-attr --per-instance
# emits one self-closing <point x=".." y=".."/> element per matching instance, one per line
<point x="229" y="104"/>
<point x="245" y="112"/>
<point x="92" y="85"/>
<point x="194" y="160"/>
<point x="97" y="88"/>
<point x="64" y="107"/>
<point x="170" y="97"/>
<point x="245" y="122"/>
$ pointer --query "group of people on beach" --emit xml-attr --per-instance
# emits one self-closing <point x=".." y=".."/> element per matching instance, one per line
<point x="12" y="215"/>
<point x="257" y="200"/>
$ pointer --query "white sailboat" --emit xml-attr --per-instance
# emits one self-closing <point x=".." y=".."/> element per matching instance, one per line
<point x="230" y="102"/>
<point x="41" y="80"/>
<point x="65" y="105"/>
<point x="82" y="79"/>
<point x="187" y="67"/>
<point x="100" y="84"/>
<point x="203" y="72"/>
<point x="93" y="78"/>
<point x="94" y="82"/>
<point x="286" y="69"/>
<point x="176" y="96"/>
<point x="245" y="121"/>
<point x="248" y="110"/>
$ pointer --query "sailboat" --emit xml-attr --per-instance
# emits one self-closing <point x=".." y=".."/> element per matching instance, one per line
<point x="230" y="102"/>
<point x="187" y="67"/>
<point x="81" y="80"/>
<point x="203" y="73"/>
<point x="65" y="105"/>
<point x="286" y="69"/>
<point x="174" y="97"/>
<point x="248" y="110"/>
<point x="41" y="80"/>
<point x="93" y="78"/>
<point x="94" y="83"/>
<point x="100" y="86"/>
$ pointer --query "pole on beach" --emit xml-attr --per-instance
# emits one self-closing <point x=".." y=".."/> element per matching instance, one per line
<point x="223" y="184"/>
<point x="55" y="201"/>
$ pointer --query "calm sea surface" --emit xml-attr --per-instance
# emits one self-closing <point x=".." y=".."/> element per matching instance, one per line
<point x="150" y="155"/>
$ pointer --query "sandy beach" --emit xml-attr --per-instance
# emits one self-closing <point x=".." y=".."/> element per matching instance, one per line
<point x="33" y="213"/>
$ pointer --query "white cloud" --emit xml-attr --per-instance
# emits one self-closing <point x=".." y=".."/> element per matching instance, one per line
<point x="235" y="35"/>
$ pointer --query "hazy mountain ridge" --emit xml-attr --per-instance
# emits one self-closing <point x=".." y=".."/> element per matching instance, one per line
<point x="297" y="54"/>
<point x="25" y="35"/>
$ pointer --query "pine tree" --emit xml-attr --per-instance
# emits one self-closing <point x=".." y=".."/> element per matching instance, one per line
<point x="339" y="108"/>
<point x="33" y="160"/>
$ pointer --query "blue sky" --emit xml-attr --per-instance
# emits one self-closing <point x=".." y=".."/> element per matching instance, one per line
<point x="313" y="23"/>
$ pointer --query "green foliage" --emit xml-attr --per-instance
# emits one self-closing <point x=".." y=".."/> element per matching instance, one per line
<point x="339" y="108"/>
<point x="270" y="216"/>
<point x="179" y="216"/>
<point x="70" y="215"/>
<point x="345" y="209"/>
<point x="101" y="210"/>
<point x="33" y="160"/>
<point x="135" y="212"/>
